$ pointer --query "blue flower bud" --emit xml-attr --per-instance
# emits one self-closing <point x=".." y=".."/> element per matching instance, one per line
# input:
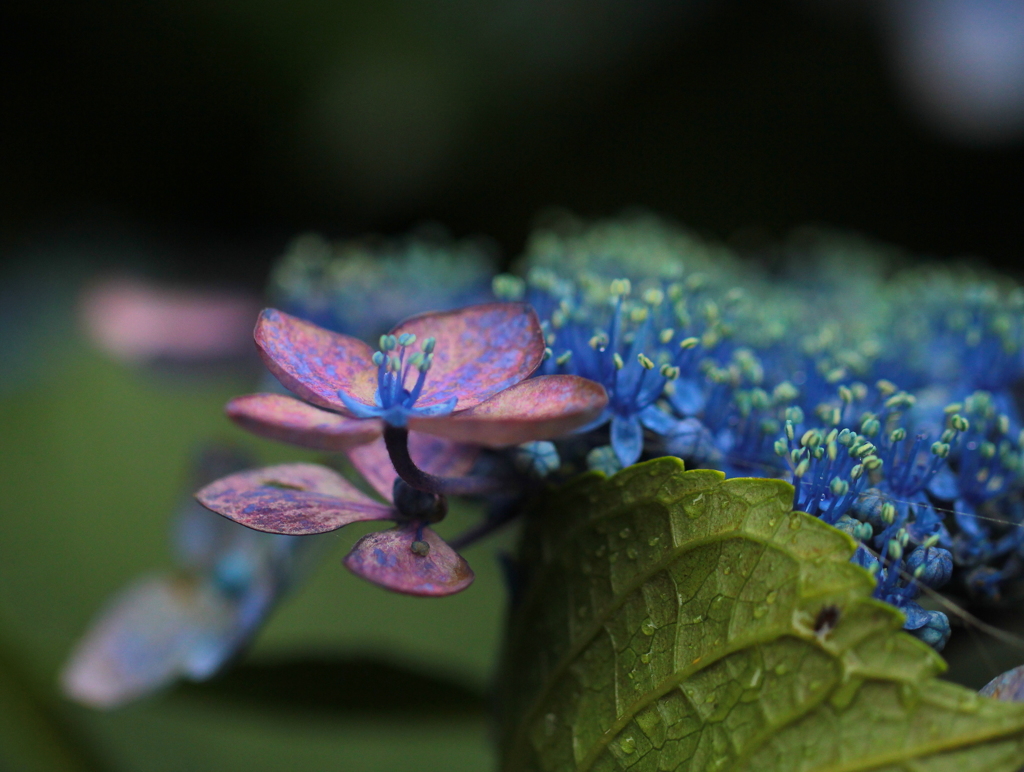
<point x="935" y="632"/>
<point x="537" y="458"/>
<point x="603" y="459"/>
<point x="932" y="566"/>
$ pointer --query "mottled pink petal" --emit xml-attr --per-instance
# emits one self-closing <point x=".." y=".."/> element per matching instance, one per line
<point x="433" y="455"/>
<point x="538" y="409"/>
<point x="386" y="558"/>
<point x="315" y="363"/>
<point x="480" y="351"/>
<point x="286" y="419"/>
<point x="295" y="499"/>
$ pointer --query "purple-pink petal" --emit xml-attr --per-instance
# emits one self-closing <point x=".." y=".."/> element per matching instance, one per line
<point x="286" y="419"/>
<point x="387" y="559"/>
<point x="480" y="350"/>
<point x="315" y="363"/>
<point x="433" y="455"/>
<point x="537" y="409"/>
<point x="295" y="499"/>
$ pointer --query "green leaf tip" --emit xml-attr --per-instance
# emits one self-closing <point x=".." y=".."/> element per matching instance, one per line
<point x="675" y="620"/>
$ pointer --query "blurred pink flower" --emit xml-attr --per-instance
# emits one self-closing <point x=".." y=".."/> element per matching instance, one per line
<point x="135" y="321"/>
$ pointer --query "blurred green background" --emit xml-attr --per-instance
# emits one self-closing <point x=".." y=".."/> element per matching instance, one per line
<point x="98" y="467"/>
<point x="188" y="142"/>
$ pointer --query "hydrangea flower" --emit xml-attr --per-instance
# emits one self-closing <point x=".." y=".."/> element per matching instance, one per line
<point x="691" y="352"/>
<point x="304" y="499"/>
<point x="594" y="330"/>
<point x="468" y="381"/>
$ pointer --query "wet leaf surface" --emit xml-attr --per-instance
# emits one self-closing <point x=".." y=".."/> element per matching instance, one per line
<point x="667" y="622"/>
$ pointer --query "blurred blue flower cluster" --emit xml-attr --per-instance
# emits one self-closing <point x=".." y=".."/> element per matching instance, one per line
<point x="362" y="286"/>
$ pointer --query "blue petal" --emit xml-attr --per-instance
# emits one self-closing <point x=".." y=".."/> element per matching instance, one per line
<point x="944" y="485"/>
<point x="657" y="420"/>
<point x="627" y="439"/>
<point x="690" y="439"/>
<point x="967" y="521"/>
<point x="688" y="396"/>
<point x="864" y="559"/>
<point x="357" y="408"/>
<point x="917" y="617"/>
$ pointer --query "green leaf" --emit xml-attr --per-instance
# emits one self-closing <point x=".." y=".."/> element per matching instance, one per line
<point x="668" y="620"/>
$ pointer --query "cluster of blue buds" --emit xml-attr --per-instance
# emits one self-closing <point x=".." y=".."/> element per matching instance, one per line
<point x="730" y="369"/>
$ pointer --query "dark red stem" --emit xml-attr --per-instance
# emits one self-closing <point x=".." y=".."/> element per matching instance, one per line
<point x="397" y="441"/>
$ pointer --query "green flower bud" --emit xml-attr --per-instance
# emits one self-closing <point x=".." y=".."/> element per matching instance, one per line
<point x="654" y="297"/>
<point x="508" y="287"/>
<point x="889" y="512"/>
<point x="886" y="387"/>
<point x="620" y="287"/>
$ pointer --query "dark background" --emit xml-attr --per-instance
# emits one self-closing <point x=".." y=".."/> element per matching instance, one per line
<point x="217" y="131"/>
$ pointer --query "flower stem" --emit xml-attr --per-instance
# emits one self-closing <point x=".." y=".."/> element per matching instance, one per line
<point x="397" y="441"/>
